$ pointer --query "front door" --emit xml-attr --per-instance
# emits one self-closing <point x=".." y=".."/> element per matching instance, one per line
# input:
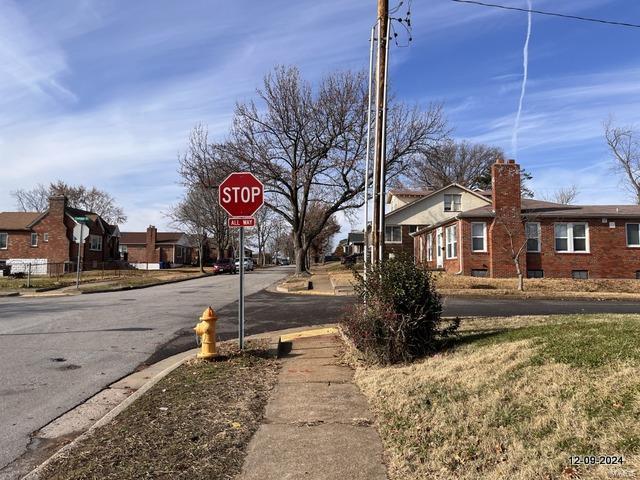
<point x="439" y="248"/>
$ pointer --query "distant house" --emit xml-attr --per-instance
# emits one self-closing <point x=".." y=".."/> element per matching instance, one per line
<point x="46" y="240"/>
<point x="153" y="249"/>
<point x="355" y="243"/>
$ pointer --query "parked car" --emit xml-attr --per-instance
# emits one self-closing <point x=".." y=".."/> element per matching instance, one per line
<point x="248" y="264"/>
<point x="225" y="265"/>
<point x="352" y="259"/>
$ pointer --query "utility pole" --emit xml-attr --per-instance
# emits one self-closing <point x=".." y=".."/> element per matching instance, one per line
<point x="380" y="132"/>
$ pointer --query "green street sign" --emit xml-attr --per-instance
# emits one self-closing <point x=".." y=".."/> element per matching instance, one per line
<point x="81" y="219"/>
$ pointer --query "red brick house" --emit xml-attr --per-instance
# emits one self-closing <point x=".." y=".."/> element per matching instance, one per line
<point x="47" y="239"/>
<point x="558" y="241"/>
<point x="153" y="249"/>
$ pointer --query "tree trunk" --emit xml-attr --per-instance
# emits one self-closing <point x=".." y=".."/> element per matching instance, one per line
<point x="200" y="254"/>
<point x="301" y="259"/>
<point x="520" y="276"/>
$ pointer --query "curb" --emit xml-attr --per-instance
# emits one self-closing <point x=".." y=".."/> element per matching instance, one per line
<point x="274" y="347"/>
<point x="10" y="294"/>
<point x="35" y="473"/>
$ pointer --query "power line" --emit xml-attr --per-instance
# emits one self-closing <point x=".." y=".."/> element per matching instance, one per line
<point x="551" y="14"/>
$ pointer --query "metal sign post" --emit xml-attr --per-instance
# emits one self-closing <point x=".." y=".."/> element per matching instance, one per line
<point x="241" y="194"/>
<point x="241" y="299"/>
<point x="81" y="237"/>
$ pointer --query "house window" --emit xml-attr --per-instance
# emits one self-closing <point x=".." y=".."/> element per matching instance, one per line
<point x="479" y="272"/>
<point x="123" y="248"/>
<point x="393" y="234"/>
<point x="452" y="202"/>
<point x="452" y="242"/>
<point x="179" y="251"/>
<point x="580" y="274"/>
<point x="45" y="237"/>
<point x="429" y="247"/>
<point x="479" y="237"/>
<point x="535" y="274"/>
<point x="96" y="243"/>
<point x="532" y="230"/>
<point x="572" y="237"/>
<point x="633" y="234"/>
<point x="34" y="239"/>
<point x="4" y="241"/>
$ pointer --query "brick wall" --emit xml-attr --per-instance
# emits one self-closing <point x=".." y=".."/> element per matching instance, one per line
<point x="474" y="260"/>
<point x="608" y="257"/>
<point x="406" y="247"/>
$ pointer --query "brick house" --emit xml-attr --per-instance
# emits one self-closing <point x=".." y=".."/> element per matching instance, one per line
<point x="557" y="241"/>
<point x="46" y="238"/>
<point x="412" y="210"/>
<point x="148" y="249"/>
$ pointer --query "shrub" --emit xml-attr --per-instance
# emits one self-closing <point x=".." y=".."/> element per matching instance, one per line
<point x="399" y="314"/>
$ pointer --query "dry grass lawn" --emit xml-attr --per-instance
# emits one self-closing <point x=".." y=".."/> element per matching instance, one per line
<point x="545" y="287"/>
<point x="513" y="399"/>
<point x="194" y="424"/>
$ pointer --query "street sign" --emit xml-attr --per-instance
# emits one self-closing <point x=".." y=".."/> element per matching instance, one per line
<point x="80" y="233"/>
<point x="81" y="219"/>
<point x="242" y="222"/>
<point x="241" y="194"/>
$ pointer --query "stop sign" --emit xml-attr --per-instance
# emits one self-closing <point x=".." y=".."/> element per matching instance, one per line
<point x="241" y="194"/>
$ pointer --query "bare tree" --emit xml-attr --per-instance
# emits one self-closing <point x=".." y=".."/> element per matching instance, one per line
<point x="194" y="220"/>
<point x="517" y="242"/>
<point x="78" y="196"/>
<point x="624" y="144"/>
<point x="449" y="162"/>
<point x="564" y="195"/>
<point x="322" y="241"/>
<point x="202" y="169"/>
<point x="309" y="145"/>
<point x="266" y="227"/>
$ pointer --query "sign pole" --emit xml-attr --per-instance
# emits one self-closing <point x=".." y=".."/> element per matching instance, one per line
<point x="78" y="267"/>
<point x="241" y="300"/>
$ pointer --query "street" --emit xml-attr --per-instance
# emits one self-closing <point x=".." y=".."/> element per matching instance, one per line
<point x="58" y="351"/>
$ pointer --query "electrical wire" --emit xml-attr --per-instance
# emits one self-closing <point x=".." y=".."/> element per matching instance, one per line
<point x="551" y="14"/>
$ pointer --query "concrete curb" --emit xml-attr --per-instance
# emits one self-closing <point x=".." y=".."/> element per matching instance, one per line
<point x="35" y="473"/>
<point x="274" y="347"/>
<point x="10" y="294"/>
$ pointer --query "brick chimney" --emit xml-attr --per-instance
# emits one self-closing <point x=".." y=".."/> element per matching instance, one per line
<point x="507" y="227"/>
<point x="57" y="206"/>
<point x="152" y="237"/>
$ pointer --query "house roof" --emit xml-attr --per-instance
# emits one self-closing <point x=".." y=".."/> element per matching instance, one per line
<point x="18" y="220"/>
<point x="540" y="208"/>
<point x="409" y="192"/>
<point x="140" y="238"/>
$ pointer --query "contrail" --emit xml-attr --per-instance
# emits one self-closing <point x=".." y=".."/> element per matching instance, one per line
<point x="525" y="64"/>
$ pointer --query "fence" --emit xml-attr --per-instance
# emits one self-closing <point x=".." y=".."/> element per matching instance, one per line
<point x="40" y="269"/>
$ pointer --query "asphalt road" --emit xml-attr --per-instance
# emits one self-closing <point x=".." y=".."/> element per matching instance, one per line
<point x="56" y="352"/>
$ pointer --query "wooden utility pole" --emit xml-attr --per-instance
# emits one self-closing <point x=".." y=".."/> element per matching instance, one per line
<point x="380" y="133"/>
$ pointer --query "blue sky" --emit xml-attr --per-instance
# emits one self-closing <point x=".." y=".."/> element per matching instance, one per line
<point x="105" y="92"/>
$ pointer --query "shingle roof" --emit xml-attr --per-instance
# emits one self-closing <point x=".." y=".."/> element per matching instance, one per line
<point x="539" y="208"/>
<point x="17" y="220"/>
<point x="410" y="192"/>
<point x="140" y="238"/>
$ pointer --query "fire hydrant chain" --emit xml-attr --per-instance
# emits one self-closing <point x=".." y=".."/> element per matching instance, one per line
<point x="206" y="333"/>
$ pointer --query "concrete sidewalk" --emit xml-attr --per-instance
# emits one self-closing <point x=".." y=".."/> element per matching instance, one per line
<point x="317" y="424"/>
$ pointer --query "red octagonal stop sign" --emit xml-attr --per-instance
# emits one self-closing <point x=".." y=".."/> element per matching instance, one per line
<point x="241" y="194"/>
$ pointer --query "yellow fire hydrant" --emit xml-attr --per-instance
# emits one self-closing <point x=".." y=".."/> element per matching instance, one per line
<point x="206" y="330"/>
